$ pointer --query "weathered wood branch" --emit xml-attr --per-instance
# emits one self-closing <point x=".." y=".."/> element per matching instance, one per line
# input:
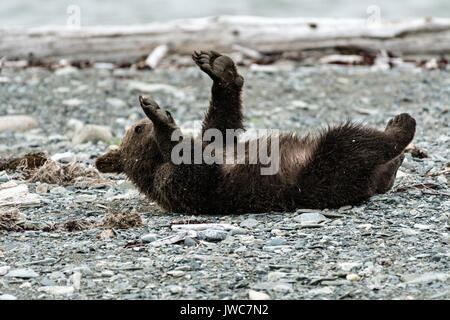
<point x="126" y="43"/>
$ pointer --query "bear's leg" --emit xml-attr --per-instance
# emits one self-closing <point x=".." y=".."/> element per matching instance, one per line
<point x="163" y="123"/>
<point x="341" y="167"/>
<point x="183" y="187"/>
<point x="225" y="109"/>
<point x="384" y="175"/>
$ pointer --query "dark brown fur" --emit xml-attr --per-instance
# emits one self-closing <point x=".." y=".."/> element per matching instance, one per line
<point x="344" y="165"/>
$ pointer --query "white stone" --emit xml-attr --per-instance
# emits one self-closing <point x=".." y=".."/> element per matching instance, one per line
<point x="64" y="157"/>
<point x="65" y="71"/>
<point x="256" y="295"/>
<point x="176" y="273"/>
<point x="17" y="123"/>
<point x="58" y="190"/>
<point x="56" y="290"/>
<point x="22" y="273"/>
<point x="430" y="277"/>
<point x="310" y="218"/>
<point x="348" y="266"/>
<point x="93" y="133"/>
<point x="4" y="270"/>
<point x="144" y="87"/>
<point x="42" y="188"/>
<point x="74" y="102"/>
<point x="353" y="277"/>
<point x="320" y="291"/>
<point x="76" y="280"/>
<point x="116" y="102"/>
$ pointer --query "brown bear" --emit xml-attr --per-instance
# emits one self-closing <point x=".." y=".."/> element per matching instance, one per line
<point x="344" y="165"/>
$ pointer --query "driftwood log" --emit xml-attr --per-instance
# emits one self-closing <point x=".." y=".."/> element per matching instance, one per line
<point x="128" y="43"/>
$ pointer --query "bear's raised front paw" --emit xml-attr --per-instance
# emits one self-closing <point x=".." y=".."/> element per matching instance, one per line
<point x="220" y="68"/>
<point x="152" y="110"/>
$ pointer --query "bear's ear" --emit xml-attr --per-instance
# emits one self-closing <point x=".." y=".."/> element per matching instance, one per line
<point x="109" y="162"/>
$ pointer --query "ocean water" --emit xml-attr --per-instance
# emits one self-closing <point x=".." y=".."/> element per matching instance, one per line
<point x="14" y="13"/>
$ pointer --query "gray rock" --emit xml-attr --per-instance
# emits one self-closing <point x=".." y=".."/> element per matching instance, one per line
<point x="249" y="223"/>
<point x="190" y="242"/>
<point x="174" y="289"/>
<point x="212" y="235"/>
<point x="310" y="218"/>
<point x="236" y="231"/>
<point x="7" y="297"/>
<point x="47" y="282"/>
<point x="429" y="277"/>
<point x="35" y="225"/>
<point x="22" y="273"/>
<point x="351" y="265"/>
<point x="58" y="190"/>
<point x="150" y="237"/>
<point x="275" y="242"/>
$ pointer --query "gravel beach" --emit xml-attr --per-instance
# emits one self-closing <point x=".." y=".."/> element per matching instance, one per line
<point x="394" y="246"/>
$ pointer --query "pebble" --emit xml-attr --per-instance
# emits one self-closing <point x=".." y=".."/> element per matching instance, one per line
<point x="47" y="282"/>
<point x="58" y="190"/>
<point x="150" y="237"/>
<point x="275" y="276"/>
<point x="348" y="266"/>
<point x="86" y="197"/>
<point x="237" y="231"/>
<point x="409" y="232"/>
<point x="176" y="273"/>
<point x="42" y="188"/>
<point x="72" y="102"/>
<point x="275" y="242"/>
<point x="67" y="70"/>
<point x="320" y="291"/>
<point x="174" y="289"/>
<point x="106" y="234"/>
<point x="249" y="223"/>
<point x="107" y="273"/>
<point x="353" y="277"/>
<point x="422" y="226"/>
<point x="190" y="242"/>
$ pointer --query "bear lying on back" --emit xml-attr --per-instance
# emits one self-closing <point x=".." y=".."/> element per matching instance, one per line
<point x="344" y="165"/>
